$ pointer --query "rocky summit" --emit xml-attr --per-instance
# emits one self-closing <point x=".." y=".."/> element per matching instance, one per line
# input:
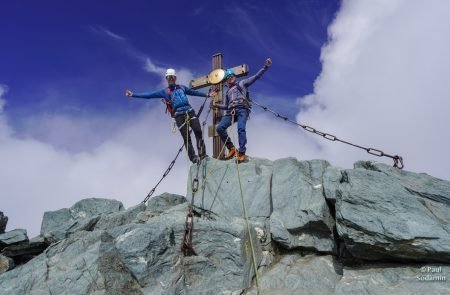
<point x="308" y="227"/>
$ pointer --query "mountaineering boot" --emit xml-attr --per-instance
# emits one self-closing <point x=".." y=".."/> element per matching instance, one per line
<point x="231" y="153"/>
<point x="241" y="157"/>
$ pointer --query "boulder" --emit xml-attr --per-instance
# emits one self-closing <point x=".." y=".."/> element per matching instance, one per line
<point x="6" y="263"/>
<point x="84" y="263"/>
<point x="152" y="251"/>
<point x="83" y="215"/>
<point x="108" y="221"/>
<point x="221" y="193"/>
<point x="142" y="259"/>
<point x="301" y="217"/>
<point x="13" y="237"/>
<point x="294" y="274"/>
<point x="386" y="213"/>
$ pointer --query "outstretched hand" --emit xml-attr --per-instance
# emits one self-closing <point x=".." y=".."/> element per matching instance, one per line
<point x="268" y="62"/>
<point x="128" y="93"/>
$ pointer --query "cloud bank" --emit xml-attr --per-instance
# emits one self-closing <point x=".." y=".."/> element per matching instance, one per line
<point x="384" y="84"/>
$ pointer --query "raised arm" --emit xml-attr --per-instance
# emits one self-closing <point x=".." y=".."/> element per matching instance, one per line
<point x="250" y="80"/>
<point x="148" y="95"/>
<point x="193" y="92"/>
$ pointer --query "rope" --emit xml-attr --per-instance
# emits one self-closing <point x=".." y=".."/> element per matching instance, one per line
<point x="245" y="210"/>
<point x="398" y="160"/>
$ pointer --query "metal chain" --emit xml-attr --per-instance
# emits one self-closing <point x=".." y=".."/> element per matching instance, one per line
<point x="164" y="175"/>
<point x="398" y="160"/>
<point x="186" y="245"/>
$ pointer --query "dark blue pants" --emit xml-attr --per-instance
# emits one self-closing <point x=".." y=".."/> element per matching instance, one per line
<point x="241" y="117"/>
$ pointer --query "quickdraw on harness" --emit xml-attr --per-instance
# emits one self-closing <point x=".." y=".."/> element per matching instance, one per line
<point x="398" y="160"/>
<point x="245" y="100"/>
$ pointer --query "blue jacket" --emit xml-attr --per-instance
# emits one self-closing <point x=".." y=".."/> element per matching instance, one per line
<point x="180" y="102"/>
<point x="236" y="98"/>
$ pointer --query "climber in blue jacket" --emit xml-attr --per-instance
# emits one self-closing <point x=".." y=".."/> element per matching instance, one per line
<point x="177" y="103"/>
<point x="237" y="104"/>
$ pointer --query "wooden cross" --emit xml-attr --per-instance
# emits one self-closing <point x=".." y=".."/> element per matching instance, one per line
<point x="203" y="81"/>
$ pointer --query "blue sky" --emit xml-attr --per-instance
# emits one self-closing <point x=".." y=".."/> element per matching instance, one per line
<point x="374" y="73"/>
<point x="79" y="57"/>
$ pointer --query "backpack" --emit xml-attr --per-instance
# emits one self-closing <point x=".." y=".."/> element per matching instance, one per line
<point x="169" y="103"/>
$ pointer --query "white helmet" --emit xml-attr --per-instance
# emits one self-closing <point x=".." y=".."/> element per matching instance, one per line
<point x="171" y="72"/>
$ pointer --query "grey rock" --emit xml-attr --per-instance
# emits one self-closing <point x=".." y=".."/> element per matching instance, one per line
<point x="83" y="215"/>
<point x="395" y="279"/>
<point x="84" y="263"/>
<point x="143" y="259"/>
<point x="301" y="217"/>
<point x="13" y="237"/>
<point x="221" y="193"/>
<point x="294" y="274"/>
<point x="386" y="213"/>
<point x="108" y="221"/>
<point x="331" y="180"/>
<point x="164" y="202"/>
<point x="159" y="204"/>
<point x="25" y="249"/>
<point x="3" y="222"/>
<point x="152" y="252"/>
<point x="6" y="263"/>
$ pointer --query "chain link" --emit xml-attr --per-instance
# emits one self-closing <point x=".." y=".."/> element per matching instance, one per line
<point x="398" y="160"/>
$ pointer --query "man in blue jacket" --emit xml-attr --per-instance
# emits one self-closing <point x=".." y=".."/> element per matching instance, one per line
<point x="177" y="103"/>
<point x="237" y="105"/>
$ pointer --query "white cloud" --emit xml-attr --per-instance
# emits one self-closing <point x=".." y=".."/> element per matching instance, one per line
<point x="184" y="76"/>
<point x="152" y="68"/>
<point x="36" y="176"/>
<point x="384" y="84"/>
<point x="112" y="35"/>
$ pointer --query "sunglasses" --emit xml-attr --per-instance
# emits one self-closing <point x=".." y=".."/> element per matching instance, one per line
<point x="169" y="77"/>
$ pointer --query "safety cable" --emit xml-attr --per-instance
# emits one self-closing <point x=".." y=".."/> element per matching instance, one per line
<point x="398" y="160"/>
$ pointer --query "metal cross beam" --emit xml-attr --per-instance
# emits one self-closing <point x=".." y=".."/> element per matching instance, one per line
<point x="204" y="81"/>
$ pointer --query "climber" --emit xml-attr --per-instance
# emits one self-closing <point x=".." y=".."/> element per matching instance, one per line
<point x="177" y="104"/>
<point x="237" y="105"/>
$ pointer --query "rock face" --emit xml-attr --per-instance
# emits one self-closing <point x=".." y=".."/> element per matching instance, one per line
<point x="221" y="192"/>
<point x="142" y="258"/>
<point x="301" y="275"/>
<point x="58" y="225"/>
<point x="312" y="229"/>
<point x="13" y="237"/>
<point x="386" y="213"/>
<point x="301" y="217"/>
